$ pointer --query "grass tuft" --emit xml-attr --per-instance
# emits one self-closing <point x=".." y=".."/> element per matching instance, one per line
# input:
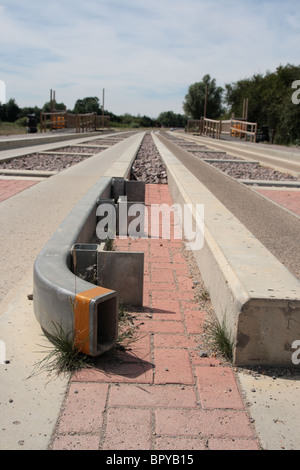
<point x="64" y="355"/>
<point x="219" y="338"/>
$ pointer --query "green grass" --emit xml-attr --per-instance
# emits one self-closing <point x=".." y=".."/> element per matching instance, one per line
<point x="10" y="128"/>
<point x="63" y="356"/>
<point x="219" y="338"/>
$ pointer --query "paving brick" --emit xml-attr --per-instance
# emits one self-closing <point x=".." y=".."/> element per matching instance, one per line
<point x="130" y="366"/>
<point x="123" y="372"/>
<point x="204" y="361"/>
<point x="180" y="269"/>
<point x="203" y="423"/>
<point x="175" y="341"/>
<point x="162" y="286"/>
<point x="233" y="444"/>
<point x="160" y="274"/>
<point x="172" y="295"/>
<point x="84" y="408"/>
<point x="185" y="283"/>
<point x="76" y="442"/>
<point x="284" y="197"/>
<point x="157" y="326"/>
<point x="180" y="443"/>
<point x="172" y="366"/>
<point x="9" y="188"/>
<point x="164" y="396"/>
<point x="128" y="429"/>
<point x="166" y="310"/>
<point x="194" y="320"/>
<point x="218" y="388"/>
<point x="160" y="251"/>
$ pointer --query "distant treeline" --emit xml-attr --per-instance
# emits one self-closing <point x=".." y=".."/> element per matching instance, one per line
<point x="274" y="102"/>
<point x="11" y="112"/>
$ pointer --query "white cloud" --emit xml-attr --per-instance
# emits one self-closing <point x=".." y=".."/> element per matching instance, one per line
<point x="145" y="54"/>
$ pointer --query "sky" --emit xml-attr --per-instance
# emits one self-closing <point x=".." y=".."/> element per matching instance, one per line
<point x="144" y="53"/>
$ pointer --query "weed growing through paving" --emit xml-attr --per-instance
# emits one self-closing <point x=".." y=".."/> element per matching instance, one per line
<point x="64" y="354"/>
<point x="219" y="338"/>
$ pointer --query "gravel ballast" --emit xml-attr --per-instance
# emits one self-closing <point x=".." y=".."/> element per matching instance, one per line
<point x="148" y="165"/>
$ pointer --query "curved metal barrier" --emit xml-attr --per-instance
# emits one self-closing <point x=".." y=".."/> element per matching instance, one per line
<point x="88" y="312"/>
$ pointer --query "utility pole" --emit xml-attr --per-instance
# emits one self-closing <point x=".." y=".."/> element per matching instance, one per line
<point x="205" y="102"/>
<point x="103" y="93"/>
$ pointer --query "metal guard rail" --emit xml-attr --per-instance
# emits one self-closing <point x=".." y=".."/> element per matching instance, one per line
<point x="87" y="312"/>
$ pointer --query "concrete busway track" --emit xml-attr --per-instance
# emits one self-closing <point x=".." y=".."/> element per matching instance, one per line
<point x="28" y="220"/>
<point x="276" y="228"/>
<point x="29" y="140"/>
<point x="257" y="295"/>
<point x="274" y="156"/>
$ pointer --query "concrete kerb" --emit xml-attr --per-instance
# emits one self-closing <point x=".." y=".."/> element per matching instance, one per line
<point x="257" y="297"/>
<point x="268" y="157"/>
<point x="49" y="145"/>
<point x="21" y="142"/>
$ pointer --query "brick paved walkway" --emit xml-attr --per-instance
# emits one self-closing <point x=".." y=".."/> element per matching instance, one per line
<point x="284" y="197"/>
<point x="10" y="187"/>
<point x="159" y="393"/>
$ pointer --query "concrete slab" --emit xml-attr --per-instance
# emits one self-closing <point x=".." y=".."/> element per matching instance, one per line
<point x="274" y="406"/>
<point x="29" y="406"/>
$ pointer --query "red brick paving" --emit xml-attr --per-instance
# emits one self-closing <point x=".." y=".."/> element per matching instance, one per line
<point x="288" y="199"/>
<point x="9" y="187"/>
<point x="159" y="394"/>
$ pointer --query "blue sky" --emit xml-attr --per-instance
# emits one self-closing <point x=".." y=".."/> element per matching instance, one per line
<point x="145" y="54"/>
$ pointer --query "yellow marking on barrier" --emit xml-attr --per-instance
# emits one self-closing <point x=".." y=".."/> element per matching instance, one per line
<point x="82" y="316"/>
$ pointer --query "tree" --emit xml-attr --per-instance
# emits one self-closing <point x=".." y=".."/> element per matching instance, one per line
<point x="58" y="107"/>
<point x="194" y="102"/>
<point x="270" y="102"/>
<point x="170" y="119"/>
<point x="10" y="111"/>
<point x="87" y="105"/>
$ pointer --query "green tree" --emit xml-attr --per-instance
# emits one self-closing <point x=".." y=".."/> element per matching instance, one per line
<point x="194" y="102"/>
<point x="9" y="111"/>
<point x="171" y="119"/>
<point x="58" y="107"/>
<point x="87" y="105"/>
<point x="270" y="102"/>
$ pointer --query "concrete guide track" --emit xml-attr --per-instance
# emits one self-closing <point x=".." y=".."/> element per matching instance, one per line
<point x="276" y="228"/>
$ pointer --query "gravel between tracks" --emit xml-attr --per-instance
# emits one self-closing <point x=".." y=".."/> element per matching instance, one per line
<point x="43" y="162"/>
<point x="252" y="171"/>
<point x="148" y="165"/>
